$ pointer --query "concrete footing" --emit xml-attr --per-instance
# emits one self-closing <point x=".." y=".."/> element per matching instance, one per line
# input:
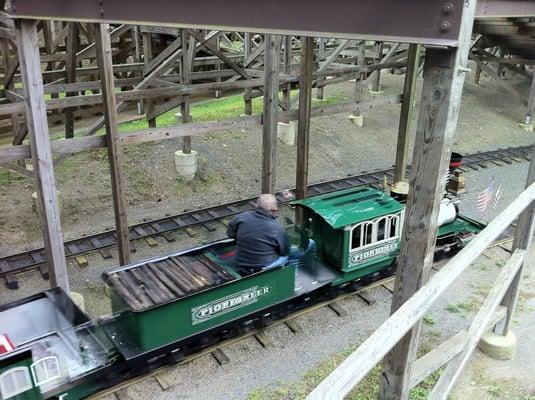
<point x="78" y="299"/>
<point x="526" y="127"/>
<point x="286" y="132"/>
<point x="376" y="92"/>
<point x="357" y="120"/>
<point x="497" y="346"/>
<point x="186" y="164"/>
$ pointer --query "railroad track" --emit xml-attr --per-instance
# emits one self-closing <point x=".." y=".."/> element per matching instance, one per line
<point x="12" y="264"/>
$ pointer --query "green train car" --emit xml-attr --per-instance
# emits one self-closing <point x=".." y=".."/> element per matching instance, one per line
<point x="170" y="306"/>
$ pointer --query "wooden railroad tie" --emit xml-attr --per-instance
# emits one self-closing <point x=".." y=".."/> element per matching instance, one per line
<point x="164" y="380"/>
<point x="169" y="236"/>
<point x="262" y="339"/>
<point x="293" y="326"/>
<point x="151" y="242"/>
<point x="122" y="394"/>
<point x="338" y="309"/>
<point x="190" y="232"/>
<point x="43" y="270"/>
<point x="224" y="221"/>
<point x="209" y="227"/>
<point x="366" y="298"/>
<point x="389" y="286"/>
<point x="220" y="356"/>
<point x="81" y="261"/>
<point x="106" y="254"/>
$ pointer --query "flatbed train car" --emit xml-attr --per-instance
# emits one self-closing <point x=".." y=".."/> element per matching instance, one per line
<point x="170" y="306"/>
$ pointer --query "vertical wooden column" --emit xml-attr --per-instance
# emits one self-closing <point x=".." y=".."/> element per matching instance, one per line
<point x="187" y="59"/>
<point x="43" y="167"/>
<point x="321" y="55"/>
<point x="303" y="121"/>
<point x="8" y="84"/>
<point x="71" y="47"/>
<point x="105" y="66"/>
<point x="522" y="240"/>
<point x="437" y="123"/>
<point x="247" y="43"/>
<point x="528" y="119"/>
<point x="287" y="64"/>
<point x="477" y="75"/>
<point x="269" y="121"/>
<point x="405" y="118"/>
<point x="359" y="82"/>
<point x="137" y="56"/>
<point x="376" y="84"/>
<point x="147" y="57"/>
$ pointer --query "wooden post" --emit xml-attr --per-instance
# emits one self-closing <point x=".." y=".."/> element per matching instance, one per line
<point x="105" y="65"/>
<point x="247" y="98"/>
<point x="522" y="241"/>
<point x="9" y="84"/>
<point x="137" y="57"/>
<point x="321" y="55"/>
<point x="437" y="123"/>
<point x="147" y="57"/>
<point x="269" y="120"/>
<point x="34" y="97"/>
<point x="528" y="119"/>
<point x="406" y="113"/>
<point x="477" y="75"/>
<point x="376" y="84"/>
<point x="71" y="47"/>
<point x="287" y="64"/>
<point x="303" y="121"/>
<point x="359" y="82"/>
<point x="187" y="59"/>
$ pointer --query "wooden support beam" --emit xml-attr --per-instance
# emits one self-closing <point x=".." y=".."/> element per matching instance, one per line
<point x="303" y="122"/>
<point x="188" y="44"/>
<point x="321" y="54"/>
<point x="528" y="119"/>
<point x="407" y="108"/>
<point x="287" y="65"/>
<point x="147" y="58"/>
<point x="104" y="59"/>
<point x="70" y="146"/>
<point x="376" y="82"/>
<point x="247" y="43"/>
<point x="522" y="241"/>
<point x="435" y="132"/>
<point x="28" y="51"/>
<point x="449" y="376"/>
<point x="70" y="71"/>
<point x="269" y="122"/>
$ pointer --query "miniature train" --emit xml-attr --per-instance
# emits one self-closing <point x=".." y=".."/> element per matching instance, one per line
<point x="168" y="307"/>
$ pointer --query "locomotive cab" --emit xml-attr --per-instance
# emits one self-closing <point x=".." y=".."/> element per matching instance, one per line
<point x="357" y="230"/>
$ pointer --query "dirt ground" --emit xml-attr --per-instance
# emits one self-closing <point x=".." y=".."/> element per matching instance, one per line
<point x="230" y="170"/>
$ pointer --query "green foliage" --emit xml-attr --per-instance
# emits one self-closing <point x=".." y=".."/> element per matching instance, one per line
<point x="429" y="319"/>
<point x="462" y="308"/>
<point x="7" y="178"/>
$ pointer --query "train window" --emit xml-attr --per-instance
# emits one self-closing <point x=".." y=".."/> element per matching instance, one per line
<point x="368" y="233"/>
<point x="356" y="237"/>
<point x="45" y="370"/>
<point x="15" y="381"/>
<point x="381" y="229"/>
<point x="394" y="225"/>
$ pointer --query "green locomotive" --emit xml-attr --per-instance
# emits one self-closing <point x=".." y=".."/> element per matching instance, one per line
<point x="171" y="305"/>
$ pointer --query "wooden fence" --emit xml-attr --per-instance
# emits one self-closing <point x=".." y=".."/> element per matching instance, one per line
<point x="456" y="351"/>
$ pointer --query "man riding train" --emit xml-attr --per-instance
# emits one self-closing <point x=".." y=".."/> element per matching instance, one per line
<point x="261" y="242"/>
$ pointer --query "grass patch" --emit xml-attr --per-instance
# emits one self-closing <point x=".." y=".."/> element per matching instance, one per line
<point x="368" y="388"/>
<point x="462" y="308"/>
<point x="8" y="177"/>
<point x="429" y="319"/>
<point x="218" y="109"/>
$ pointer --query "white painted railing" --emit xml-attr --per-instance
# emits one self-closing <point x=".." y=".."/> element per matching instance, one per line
<point x="348" y="374"/>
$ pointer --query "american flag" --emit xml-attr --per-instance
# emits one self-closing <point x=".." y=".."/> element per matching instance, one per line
<point x="489" y="198"/>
